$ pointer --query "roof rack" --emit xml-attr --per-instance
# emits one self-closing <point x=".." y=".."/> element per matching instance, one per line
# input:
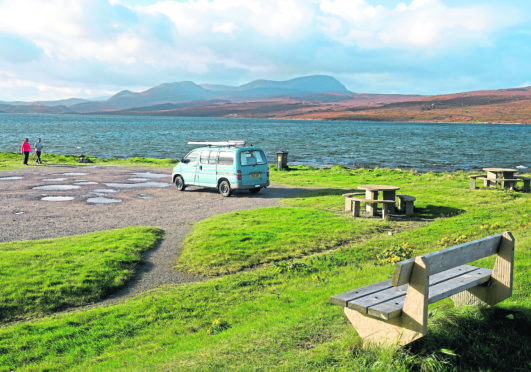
<point x="229" y="143"/>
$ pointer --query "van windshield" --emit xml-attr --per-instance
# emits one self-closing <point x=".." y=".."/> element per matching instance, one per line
<point x="252" y="157"/>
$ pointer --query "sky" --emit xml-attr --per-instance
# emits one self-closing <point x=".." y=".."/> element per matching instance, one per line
<point x="57" y="49"/>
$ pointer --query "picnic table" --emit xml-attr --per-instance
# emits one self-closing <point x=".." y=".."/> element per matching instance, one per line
<point x="372" y="192"/>
<point x="502" y="176"/>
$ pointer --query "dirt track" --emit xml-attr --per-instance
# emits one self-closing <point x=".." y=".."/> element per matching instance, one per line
<point x="147" y="198"/>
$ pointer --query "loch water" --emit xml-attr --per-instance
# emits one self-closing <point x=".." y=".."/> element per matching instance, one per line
<point x="422" y="146"/>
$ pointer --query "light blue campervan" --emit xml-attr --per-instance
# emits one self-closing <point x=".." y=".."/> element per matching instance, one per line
<point x="226" y="166"/>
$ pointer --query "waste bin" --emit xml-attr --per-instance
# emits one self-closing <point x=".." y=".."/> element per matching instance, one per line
<point x="282" y="160"/>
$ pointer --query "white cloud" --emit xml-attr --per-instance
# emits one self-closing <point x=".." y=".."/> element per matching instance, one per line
<point x="419" y="24"/>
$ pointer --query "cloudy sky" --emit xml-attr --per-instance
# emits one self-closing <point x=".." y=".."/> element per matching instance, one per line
<point x="52" y="49"/>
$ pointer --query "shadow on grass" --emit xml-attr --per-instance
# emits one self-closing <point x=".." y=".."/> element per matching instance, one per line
<point x="486" y="339"/>
<point x="431" y="212"/>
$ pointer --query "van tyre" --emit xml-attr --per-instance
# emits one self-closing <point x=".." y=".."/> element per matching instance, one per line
<point x="179" y="183"/>
<point x="224" y="188"/>
<point x="254" y="190"/>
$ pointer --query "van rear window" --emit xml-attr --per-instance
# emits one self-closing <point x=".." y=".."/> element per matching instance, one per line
<point x="252" y="157"/>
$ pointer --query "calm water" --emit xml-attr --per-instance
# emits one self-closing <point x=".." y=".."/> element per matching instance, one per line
<point x="423" y="146"/>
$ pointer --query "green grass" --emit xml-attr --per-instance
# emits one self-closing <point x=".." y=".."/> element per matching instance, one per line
<point x="39" y="277"/>
<point x="277" y="316"/>
<point x="268" y="235"/>
<point x="11" y="161"/>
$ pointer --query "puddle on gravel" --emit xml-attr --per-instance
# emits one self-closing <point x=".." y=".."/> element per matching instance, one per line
<point x="54" y="179"/>
<point x="18" y="212"/>
<point x="104" y="191"/>
<point x="56" y="187"/>
<point x="10" y="178"/>
<point x="145" y="196"/>
<point x="74" y="174"/>
<point x="57" y="198"/>
<point x="150" y="175"/>
<point x="137" y="179"/>
<point x="102" y="200"/>
<point x="141" y="184"/>
<point x="85" y="183"/>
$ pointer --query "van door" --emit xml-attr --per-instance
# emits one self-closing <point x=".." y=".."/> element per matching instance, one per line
<point x="188" y="167"/>
<point x="254" y="168"/>
<point x="206" y="172"/>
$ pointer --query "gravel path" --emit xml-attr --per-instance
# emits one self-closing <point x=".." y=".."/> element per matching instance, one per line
<point x="107" y="197"/>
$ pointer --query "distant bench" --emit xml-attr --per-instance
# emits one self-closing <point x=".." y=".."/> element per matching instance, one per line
<point x="395" y="311"/>
<point x="509" y="183"/>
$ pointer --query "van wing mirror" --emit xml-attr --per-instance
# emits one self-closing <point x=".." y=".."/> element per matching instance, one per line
<point x="185" y="161"/>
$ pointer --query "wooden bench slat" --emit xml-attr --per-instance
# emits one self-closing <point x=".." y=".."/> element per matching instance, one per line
<point x="343" y="298"/>
<point x="363" y="303"/>
<point x="450" y="257"/>
<point x="438" y="291"/>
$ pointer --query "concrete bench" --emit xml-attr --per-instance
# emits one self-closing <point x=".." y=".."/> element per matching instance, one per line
<point x="395" y="311"/>
<point x="406" y="204"/>
<point x="348" y="200"/>
<point x="527" y="183"/>
<point x="473" y="178"/>
<point x="372" y="205"/>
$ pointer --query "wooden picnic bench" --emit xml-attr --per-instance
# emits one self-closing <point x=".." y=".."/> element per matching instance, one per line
<point x="372" y="204"/>
<point x="406" y="204"/>
<point x="395" y="311"/>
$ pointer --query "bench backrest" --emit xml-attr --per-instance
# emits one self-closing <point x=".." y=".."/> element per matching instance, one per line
<point x="449" y="258"/>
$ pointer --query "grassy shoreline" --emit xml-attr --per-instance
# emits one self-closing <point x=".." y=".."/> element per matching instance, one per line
<point x="271" y="312"/>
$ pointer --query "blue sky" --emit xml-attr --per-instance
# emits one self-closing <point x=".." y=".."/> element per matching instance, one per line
<point x="57" y="49"/>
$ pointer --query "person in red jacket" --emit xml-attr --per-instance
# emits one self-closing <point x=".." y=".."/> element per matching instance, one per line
<point x="25" y="149"/>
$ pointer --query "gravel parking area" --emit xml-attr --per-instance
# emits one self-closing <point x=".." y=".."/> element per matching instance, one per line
<point x="40" y="202"/>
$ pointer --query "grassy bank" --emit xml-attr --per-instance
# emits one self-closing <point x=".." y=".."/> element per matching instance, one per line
<point x="12" y="160"/>
<point x="277" y="316"/>
<point x="43" y="276"/>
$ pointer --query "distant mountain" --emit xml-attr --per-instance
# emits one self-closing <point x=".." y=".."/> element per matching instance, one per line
<point x="309" y="97"/>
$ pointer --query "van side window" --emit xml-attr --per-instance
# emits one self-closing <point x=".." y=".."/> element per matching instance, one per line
<point x="226" y="158"/>
<point x="204" y="157"/>
<point x="252" y="157"/>
<point x="213" y="158"/>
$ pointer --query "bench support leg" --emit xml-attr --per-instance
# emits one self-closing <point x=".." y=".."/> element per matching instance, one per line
<point x="348" y="204"/>
<point x="409" y="208"/>
<point x="385" y="210"/>
<point x="527" y="186"/>
<point x="411" y="325"/>
<point x="501" y="285"/>
<point x="473" y="183"/>
<point x="372" y="208"/>
<point x="389" y="195"/>
<point x="379" y="332"/>
<point x="356" y="208"/>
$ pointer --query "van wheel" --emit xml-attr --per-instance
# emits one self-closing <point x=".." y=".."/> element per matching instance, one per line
<point x="179" y="183"/>
<point x="224" y="188"/>
<point x="254" y="190"/>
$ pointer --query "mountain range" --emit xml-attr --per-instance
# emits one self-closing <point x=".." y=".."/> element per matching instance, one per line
<point x="309" y="97"/>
